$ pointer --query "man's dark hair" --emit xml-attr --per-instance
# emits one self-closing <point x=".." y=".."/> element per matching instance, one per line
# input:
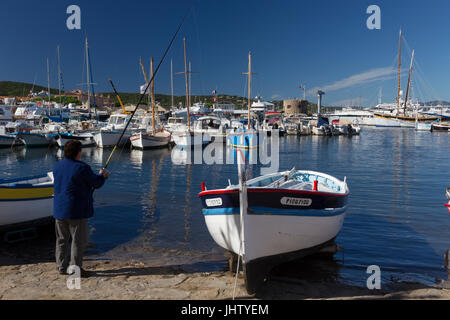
<point x="71" y="149"/>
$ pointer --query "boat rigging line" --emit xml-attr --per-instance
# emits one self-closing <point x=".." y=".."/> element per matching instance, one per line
<point x="146" y="88"/>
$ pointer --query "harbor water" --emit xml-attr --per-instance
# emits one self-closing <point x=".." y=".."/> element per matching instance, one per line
<point x="149" y="210"/>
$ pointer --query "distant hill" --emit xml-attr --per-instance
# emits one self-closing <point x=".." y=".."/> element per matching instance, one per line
<point x="20" y="89"/>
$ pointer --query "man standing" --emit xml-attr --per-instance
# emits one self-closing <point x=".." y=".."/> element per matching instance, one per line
<point x="73" y="205"/>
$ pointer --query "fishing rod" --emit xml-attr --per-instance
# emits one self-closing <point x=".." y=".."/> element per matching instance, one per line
<point x="145" y="92"/>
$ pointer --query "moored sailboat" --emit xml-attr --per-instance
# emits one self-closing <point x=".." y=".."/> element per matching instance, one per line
<point x="155" y="138"/>
<point x="188" y="137"/>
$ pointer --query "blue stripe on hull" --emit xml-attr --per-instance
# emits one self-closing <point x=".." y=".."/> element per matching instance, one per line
<point x="277" y="212"/>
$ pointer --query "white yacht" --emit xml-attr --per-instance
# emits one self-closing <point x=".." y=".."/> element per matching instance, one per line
<point x="262" y="106"/>
<point x="223" y="108"/>
<point x="108" y="135"/>
<point x="198" y="109"/>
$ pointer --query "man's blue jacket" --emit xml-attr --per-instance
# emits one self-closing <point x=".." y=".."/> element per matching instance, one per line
<point x="74" y="185"/>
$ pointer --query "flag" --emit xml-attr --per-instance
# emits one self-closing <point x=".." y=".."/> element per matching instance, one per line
<point x="142" y="88"/>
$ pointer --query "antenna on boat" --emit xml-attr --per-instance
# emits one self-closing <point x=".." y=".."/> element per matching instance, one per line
<point x="146" y="88"/>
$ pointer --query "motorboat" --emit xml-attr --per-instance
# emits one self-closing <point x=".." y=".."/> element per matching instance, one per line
<point x="287" y="215"/>
<point x="109" y="135"/>
<point x="86" y="139"/>
<point x="188" y="138"/>
<point x="211" y="126"/>
<point x="440" y="127"/>
<point x="26" y="200"/>
<point x="346" y="127"/>
<point x="322" y="128"/>
<point x="175" y="124"/>
<point x="273" y="121"/>
<point x="34" y="139"/>
<point x="292" y="128"/>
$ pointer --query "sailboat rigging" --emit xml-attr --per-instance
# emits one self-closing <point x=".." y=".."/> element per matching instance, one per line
<point x="146" y="88"/>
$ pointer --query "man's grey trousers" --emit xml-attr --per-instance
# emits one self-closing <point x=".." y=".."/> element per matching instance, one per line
<point x="66" y="230"/>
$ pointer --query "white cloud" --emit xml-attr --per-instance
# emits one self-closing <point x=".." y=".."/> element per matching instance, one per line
<point x="378" y="74"/>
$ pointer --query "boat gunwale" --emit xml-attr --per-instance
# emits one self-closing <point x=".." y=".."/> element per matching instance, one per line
<point x="4" y="181"/>
<point x="273" y="190"/>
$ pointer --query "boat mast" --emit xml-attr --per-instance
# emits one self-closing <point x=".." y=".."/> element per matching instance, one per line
<point x="190" y="101"/>
<point x="171" y="79"/>
<point x="59" y="75"/>
<point x="88" y="80"/>
<point x="399" y="67"/>
<point x="187" y="88"/>
<point x="409" y="82"/>
<point x="153" y="95"/>
<point x="48" y="82"/>
<point x="249" y="85"/>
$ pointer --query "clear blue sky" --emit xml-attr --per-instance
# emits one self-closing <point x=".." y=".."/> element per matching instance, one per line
<point x="323" y="44"/>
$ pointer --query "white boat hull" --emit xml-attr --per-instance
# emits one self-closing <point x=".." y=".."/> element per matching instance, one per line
<point x="184" y="139"/>
<point x="86" y="140"/>
<point x="13" y="212"/>
<point x="292" y="233"/>
<point x="105" y="139"/>
<point x="147" y="141"/>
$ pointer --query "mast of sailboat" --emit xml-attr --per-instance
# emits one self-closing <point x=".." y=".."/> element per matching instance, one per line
<point x="399" y="67"/>
<point x="153" y="96"/>
<point x="88" y="79"/>
<point x="59" y="75"/>
<point x="190" y="101"/>
<point x="409" y="83"/>
<point x="48" y="82"/>
<point x="171" y="80"/>
<point x="146" y="88"/>
<point x="187" y="87"/>
<point x="249" y="73"/>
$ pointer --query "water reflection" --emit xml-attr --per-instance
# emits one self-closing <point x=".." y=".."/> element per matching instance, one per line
<point x="395" y="215"/>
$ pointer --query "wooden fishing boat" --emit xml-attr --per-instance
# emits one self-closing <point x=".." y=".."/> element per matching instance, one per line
<point x="289" y="215"/>
<point x="26" y="200"/>
<point x="142" y="140"/>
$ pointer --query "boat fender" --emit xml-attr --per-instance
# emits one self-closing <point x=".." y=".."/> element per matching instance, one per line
<point x="316" y="183"/>
<point x="203" y="186"/>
